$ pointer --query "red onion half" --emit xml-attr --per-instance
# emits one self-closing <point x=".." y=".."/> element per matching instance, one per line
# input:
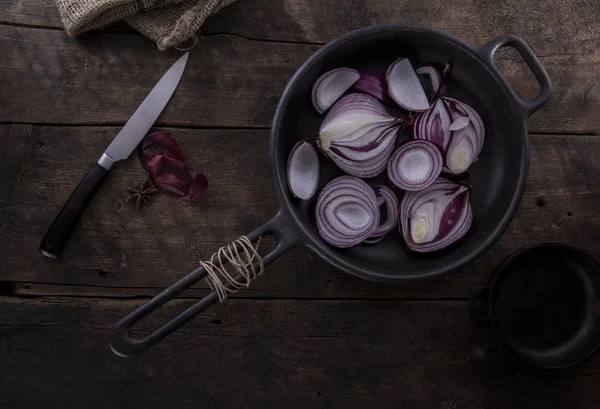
<point x="456" y="128"/>
<point x="415" y="165"/>
<point x="346" y="212"/>
<point x="303" y="170"/>
<point x="331" y="85"/>
<point x="435" y="217"/>
<point x="359" y="135"/>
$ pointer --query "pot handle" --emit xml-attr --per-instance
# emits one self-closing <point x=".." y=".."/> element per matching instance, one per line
<point x="474" y="300"/>
<point x="487" y="52"/>
<point x="120" y="342"/>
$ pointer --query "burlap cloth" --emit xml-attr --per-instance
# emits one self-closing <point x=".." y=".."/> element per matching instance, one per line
<point x="168" y="22"/>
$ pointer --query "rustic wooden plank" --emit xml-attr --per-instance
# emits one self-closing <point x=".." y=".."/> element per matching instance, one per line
<point x="103" y="77"/>
<point x="41" y="13"/>
<point x="269" y="354"/>
<point x="553" y="27"/>
<point x="116" y="248"/>
<point x="16" y="142"/>
<point x="229" y="82"/>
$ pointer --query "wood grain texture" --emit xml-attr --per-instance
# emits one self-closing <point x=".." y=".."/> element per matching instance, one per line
<point x="229" y="81"/>
<point x="245" y="354"/>
<point x="117" y="251"/>
<point x="550" y="26"/>
<point x="42" y="13"/>
<point x="103" y="78"/>
<point x="317" y="348"/>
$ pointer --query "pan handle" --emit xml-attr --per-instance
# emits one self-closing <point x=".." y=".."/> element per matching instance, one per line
<point x="123" y="345"/>
<point x="487" y="52"/>
<point x="474" y="299"/>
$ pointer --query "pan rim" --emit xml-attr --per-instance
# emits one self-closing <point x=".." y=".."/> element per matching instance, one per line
<point x="311" y="239"/>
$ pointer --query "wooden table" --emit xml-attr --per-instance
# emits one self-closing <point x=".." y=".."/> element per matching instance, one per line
<point x="305" y="334"/>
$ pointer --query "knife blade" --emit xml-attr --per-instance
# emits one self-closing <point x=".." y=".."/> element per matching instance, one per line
<point x="120" y="148"/>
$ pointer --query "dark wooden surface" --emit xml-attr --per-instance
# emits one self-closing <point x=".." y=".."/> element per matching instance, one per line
<point x="305" y="335"/>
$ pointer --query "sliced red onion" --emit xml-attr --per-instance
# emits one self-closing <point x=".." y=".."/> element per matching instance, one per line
<point x="467" y="141"/>
<point x="456" y="128"/>
<point x="460" y="123"/>
<point x="435" y="217"/>
<point x="303" y="170"/>
<point x="434" y="125"/>
<point x="415" y="165"/>
<point x="404" y="86"/>
<point x="373" y="83"/>
<point x="346" y="212"/>
<point x="359" y="135"/>
<point x="387" y="196"/>
<point x="374" y="239"/>
<point x="330" y="86"/>
<point x="434" y="74"/>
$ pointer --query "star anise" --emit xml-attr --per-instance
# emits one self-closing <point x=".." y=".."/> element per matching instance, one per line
<point x="141" y="192"/>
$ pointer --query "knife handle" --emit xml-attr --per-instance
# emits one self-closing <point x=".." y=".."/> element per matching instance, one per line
<point x="57" y="236"/>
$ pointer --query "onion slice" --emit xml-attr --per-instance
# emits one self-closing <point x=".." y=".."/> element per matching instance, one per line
<point x="434" y="74"/>
<point x="374" y="239"/>
<point x="466" y="141"/>
<point x="303" y="170"/>
<point x="404" y="86"/>
<point x="435" y="217"/>
<point x="346" y="212"/>
<point x="459" y="123"/>
<point x="373" y="83"/>
<point x="387" y="197"/>
<point x="330" y="86"/>
<point x="415" y="165"/>
<point x="456" y="128"/>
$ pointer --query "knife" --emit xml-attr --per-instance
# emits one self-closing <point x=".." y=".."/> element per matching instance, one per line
<point x="120" y="148"/>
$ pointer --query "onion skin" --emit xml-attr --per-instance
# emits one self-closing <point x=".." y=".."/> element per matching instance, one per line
<point x="358" y="135"/>
<point x="436" y="217"/>
<point x="346" y="212"/>
<point x="162" y="158"/>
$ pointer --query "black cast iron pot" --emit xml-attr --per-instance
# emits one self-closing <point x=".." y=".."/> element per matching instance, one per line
<point x="498" y="177"/>
<point x="543" y="305"/>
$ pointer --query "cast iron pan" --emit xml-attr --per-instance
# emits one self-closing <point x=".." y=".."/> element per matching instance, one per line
<point x="543" y="305"/>
<point x="498" y="177"/>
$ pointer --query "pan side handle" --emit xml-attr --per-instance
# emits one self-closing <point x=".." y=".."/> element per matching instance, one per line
<point x="487" y="52"/>
<point x="123" y="345"/>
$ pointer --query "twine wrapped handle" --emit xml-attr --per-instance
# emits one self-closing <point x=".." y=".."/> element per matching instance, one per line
<point x="230" y="269"/>
<point x="241" y="255"/>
